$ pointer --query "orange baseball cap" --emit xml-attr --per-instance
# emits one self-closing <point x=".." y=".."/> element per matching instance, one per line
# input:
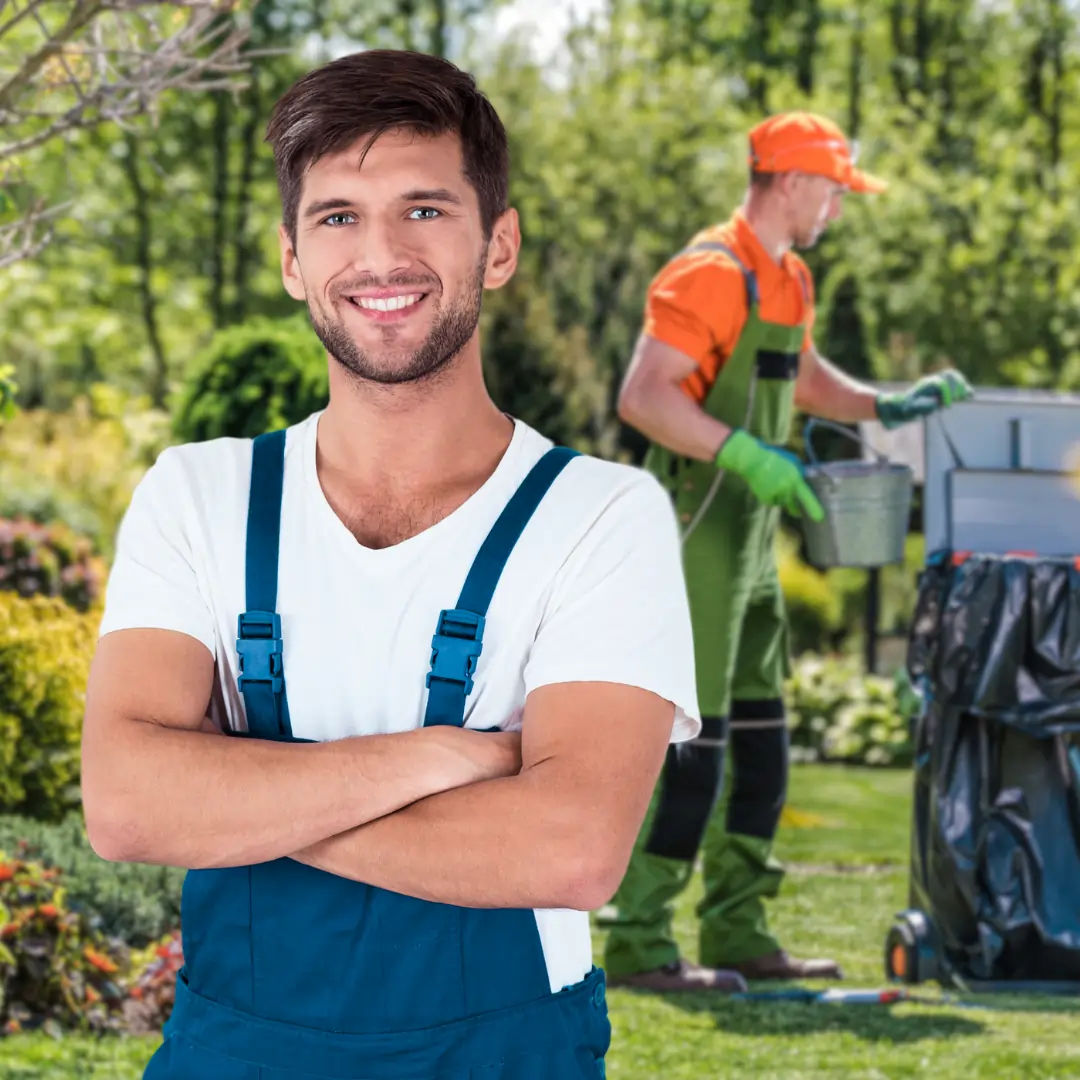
<point x="809" y="143"/>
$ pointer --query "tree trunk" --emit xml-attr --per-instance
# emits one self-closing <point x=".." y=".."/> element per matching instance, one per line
<point x="243" y="253"/>
<point x="220" y="150"/>
<point x="758" y="52"/>
<point x="437" y="45"/>
<point x="159" y="376"/>
<point x="808" y="44"/>
<point x="855" y="71"/>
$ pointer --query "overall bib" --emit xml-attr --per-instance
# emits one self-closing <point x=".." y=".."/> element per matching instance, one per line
<point x="291" y="972"/>
<point x="741" y="655"/>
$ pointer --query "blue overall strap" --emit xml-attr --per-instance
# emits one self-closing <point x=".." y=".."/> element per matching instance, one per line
<point x="259" y="643"/>
<point x="459" y="634"/>
<point x="749" y="276"/>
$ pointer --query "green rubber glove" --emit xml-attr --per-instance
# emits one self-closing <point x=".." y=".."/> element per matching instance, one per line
<point x="930" y="393"/>
<point x="773" y="475"/>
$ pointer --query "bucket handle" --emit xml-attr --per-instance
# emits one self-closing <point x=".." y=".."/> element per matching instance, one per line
<point x="815" y="421"/>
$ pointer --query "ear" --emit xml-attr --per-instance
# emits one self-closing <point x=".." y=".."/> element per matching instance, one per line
<point x="503" y="250"/>
<point x="290" y="266"/>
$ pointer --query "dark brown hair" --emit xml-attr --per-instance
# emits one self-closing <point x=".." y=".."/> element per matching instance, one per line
<point x="379" y="90"/>
<point x="762" y="181"/>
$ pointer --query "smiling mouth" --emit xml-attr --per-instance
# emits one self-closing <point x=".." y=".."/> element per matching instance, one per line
<point x="386" y="303"/>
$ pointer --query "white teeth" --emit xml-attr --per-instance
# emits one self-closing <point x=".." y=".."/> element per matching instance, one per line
<point x="389" y="303"/>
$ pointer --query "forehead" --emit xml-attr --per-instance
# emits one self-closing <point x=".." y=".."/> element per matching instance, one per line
<point x="395" y="163"/>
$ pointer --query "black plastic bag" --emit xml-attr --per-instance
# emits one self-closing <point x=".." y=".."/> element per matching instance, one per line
<point x="995" y="857"/>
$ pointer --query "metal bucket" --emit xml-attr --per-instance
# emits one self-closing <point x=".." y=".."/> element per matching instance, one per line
<point x="867" y="506"/>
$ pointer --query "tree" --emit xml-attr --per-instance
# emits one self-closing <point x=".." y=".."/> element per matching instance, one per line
<point x="101" y="61"/>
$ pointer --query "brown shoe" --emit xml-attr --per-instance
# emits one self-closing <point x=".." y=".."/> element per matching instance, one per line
<point x="682" y="976"/>
<point x="778" y="965"/>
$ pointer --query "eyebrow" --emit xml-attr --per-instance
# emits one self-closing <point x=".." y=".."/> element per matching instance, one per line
<point x="444" y="195"/>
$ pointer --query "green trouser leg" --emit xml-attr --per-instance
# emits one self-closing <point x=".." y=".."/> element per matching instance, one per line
<point x="741" y="874"/>
<point x="640" y="934"/>
<point x="640" y="937"/>
<point x="739" y="870"/>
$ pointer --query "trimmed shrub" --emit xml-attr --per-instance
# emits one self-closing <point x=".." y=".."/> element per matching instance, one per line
<point x="254" y="377"/>
<point x="45" y="653"/>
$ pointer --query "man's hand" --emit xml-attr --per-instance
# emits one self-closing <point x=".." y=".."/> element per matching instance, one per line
<point x="773" y="475"/>
<point x="928" y="395"/>
<point x="488" y="755"/>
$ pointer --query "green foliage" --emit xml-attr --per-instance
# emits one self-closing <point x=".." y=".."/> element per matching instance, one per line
<point x="815" y="610"/>
<point x="546" y="377"/>
<point x="136" y="903"/>
<point x="49" y="560"/>
<point x="253" y="378"/>
<point x="80" y="466"/>
<point x="54" y="969"/>
<point x="45" y="654"/>
<point x="838" y="713"/>
<point x="827" y="608"/>
<point x="8" y="389"/>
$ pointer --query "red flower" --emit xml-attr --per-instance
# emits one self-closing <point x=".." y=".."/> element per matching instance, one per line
<point x="100" y="961"/>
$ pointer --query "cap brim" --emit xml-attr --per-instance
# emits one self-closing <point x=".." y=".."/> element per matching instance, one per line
<point x="865" y="183"/>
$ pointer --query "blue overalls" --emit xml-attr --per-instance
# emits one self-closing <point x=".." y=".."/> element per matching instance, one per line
<point x="293" y="972"/>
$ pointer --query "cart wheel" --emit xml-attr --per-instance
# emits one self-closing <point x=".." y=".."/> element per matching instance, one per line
<point x="910" y="950"/>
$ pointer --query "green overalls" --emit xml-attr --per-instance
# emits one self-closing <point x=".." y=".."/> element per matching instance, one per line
<point x="741" y="655"/>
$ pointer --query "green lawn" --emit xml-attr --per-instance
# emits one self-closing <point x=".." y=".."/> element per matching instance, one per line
<point x="844" y="839"/>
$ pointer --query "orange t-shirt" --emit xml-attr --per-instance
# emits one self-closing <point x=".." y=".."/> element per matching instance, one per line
<point x="697" y="302"/>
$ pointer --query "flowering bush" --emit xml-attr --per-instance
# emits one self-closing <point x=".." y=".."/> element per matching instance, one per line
<point x="152" y="989"/>
<point x="49" y="560"/>
<point x="839" y="713"/>
<point x="54" y="970"/>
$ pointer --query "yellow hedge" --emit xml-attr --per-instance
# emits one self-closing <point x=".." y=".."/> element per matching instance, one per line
<point x="45" y="653"/>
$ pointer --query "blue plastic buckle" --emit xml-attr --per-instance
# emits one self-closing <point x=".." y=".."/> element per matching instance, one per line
<point x="259" y="645"/>
<point x="456" y="647"/>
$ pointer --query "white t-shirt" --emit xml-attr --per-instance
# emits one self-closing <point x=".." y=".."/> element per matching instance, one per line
<point x="593" y="591"/>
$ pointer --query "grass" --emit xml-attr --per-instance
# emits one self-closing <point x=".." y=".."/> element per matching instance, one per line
<point x="844" y="839"/>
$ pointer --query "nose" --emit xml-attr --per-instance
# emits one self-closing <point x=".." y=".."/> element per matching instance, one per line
<point x="837" y="208"/>
<point x="381" y="251"/>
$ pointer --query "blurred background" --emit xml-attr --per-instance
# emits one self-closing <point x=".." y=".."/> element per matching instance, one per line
<point x="141" y="304"/>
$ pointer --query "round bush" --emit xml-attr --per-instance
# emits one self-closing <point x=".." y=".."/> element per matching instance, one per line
<point x="258" y="376"/>
<point x="45" y="653"/>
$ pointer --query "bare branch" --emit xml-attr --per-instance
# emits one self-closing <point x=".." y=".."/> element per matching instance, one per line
<point x="83" y="12"/>
<point x="19" y="240"/>
<point x="109" y="61"/>
<point x="19" y="15"/>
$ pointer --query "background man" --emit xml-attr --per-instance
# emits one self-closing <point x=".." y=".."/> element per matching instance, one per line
<point x="726" y="354"/>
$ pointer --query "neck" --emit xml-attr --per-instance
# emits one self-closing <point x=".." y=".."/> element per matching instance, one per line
<point x="412" y="437"/>
<point x="765" y="218"/>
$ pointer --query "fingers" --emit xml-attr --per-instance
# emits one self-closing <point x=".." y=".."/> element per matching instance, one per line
<point x="809" y="501"/>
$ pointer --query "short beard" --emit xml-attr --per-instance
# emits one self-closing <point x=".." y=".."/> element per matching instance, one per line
<point x="450" y="334"/>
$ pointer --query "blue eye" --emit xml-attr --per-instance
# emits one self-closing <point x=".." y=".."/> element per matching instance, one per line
<point x="424" y="210"/>
<point x="332" y="216"/>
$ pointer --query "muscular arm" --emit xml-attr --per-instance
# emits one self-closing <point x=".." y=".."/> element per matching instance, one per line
<point x="653" y="401"/>
<point x="559" y="834"/>
<point x="158" y="789"/>
<point x="822" y="389"/>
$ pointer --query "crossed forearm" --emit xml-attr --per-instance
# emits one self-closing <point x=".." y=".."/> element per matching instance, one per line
<point x="520" y="842"/>
<point x="185" y="798"/>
